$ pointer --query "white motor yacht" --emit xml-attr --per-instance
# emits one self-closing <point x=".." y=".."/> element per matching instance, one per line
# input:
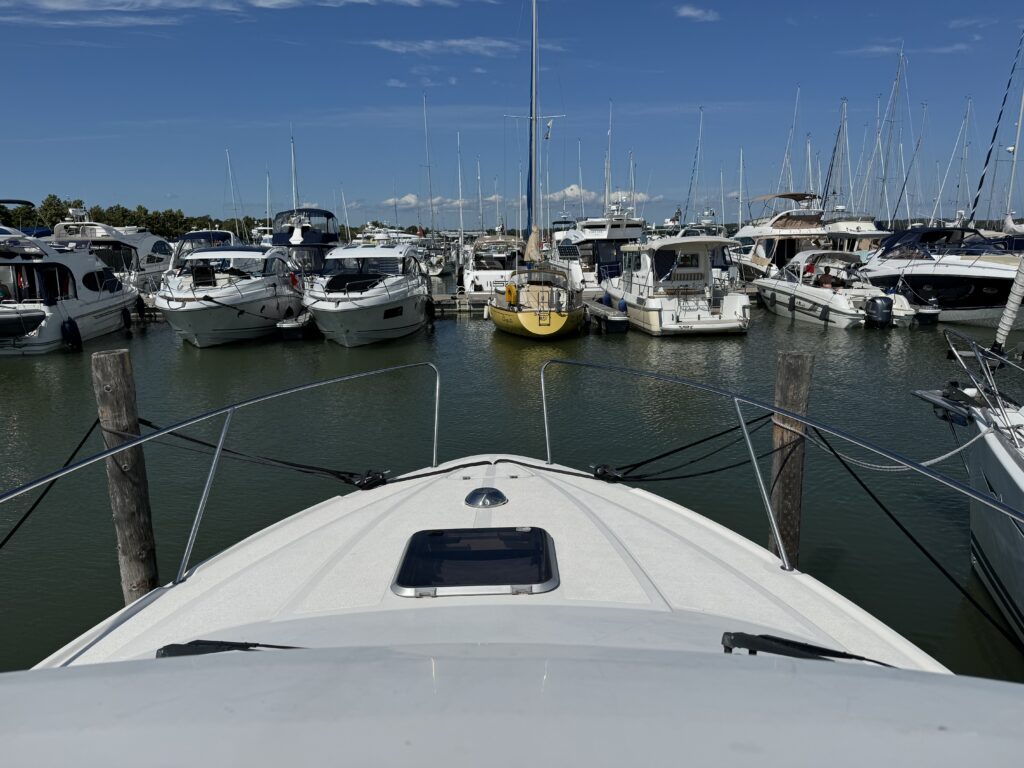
<point x="959" y="272"/>
<point x="137" y="255"/>
<point x="668" y="286"/>
<point x="498" y="607"/>
<point x="215" y="295"/>
<point x="768" y="244"/>
<point x="55" y="297"/>
<point x="491" y="262"/>
<point x="827" y="287"/>
<point x="595" y="244"/>
<point x="369" y="292"/>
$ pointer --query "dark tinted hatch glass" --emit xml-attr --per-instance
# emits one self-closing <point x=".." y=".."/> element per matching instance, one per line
<point x="478" y="557"/>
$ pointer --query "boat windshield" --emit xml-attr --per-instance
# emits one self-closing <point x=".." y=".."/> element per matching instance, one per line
<point x="364" y="266"/>
<point x="195" y="240"/>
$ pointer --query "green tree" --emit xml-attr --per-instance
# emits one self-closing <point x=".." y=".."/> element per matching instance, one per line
<point x="53" y="209"/>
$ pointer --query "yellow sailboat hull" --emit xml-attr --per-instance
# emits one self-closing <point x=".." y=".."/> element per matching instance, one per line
<point x="537" y="324"/>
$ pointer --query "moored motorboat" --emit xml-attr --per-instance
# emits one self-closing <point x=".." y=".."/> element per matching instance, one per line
<point x="369" y="292"/>
<point x="222" y="294"/>
<point x="827" y="287"/>
<point x="54" y="297"/>
<point x="668" y="287"/>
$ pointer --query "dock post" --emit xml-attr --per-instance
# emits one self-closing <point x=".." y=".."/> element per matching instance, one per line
<point x="113" y="383"/>
<point x="792" y="391"/>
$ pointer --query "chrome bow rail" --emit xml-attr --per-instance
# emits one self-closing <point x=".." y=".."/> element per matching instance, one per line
<point x="740" y="400"/>
<point x="982" y="376"/>
<point x="228" y="412"/>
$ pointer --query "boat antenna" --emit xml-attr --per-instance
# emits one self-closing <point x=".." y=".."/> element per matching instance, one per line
<point x="268" y="195"/>
<point x="579" y="168"/>
<point x="995" y="131"/>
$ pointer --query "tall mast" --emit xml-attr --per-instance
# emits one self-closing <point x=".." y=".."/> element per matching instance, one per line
<point x="268" y="196"/>
<point x="608" y="163"/>
<point x="739" y="213"/>
<point x="497" y="214"/>
<point x="231" y="186"/>
<point x="479" y="194"/>
<point x="1013" y="162"/>
<point x="995" y="131"/>
<point x="519" y="222"/>
<point x="458" y="146"/>
<point x="721" y="187"/>
<point x="394" y="198"/>
<point x="295" y="179"/>
<point x="344" y="205"/>
<point x="430" y="188"/>
<point x="632" y="182"/>
<point x="533" y="176"/>
<point x="579" y="168"/>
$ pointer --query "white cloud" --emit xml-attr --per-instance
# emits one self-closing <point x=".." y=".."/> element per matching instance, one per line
<point x="394" y="82"/>
<point x="571" y="194"/>
<point x="946" y="49"/>
<point x="872" y="50"/>
<point x="693" y="13"/>
<point x="478" y="46"/>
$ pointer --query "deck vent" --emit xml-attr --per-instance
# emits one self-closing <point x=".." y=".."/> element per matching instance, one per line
<point x="477" y="561"/>
<point x="486" y="497"/>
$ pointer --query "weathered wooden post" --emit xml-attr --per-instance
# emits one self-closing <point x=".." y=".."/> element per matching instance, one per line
<point x="792" y="391"/>
<point x="114" y="385"/>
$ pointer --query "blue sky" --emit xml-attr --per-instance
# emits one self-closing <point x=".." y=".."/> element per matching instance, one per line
<point x="135" y="101"/>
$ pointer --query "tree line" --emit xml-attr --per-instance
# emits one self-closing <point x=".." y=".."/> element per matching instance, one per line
<point x="170" y="223"/>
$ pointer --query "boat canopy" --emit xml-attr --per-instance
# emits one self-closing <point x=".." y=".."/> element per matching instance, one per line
<point x="813" y="257"/>
<point x="798" y="197"/>
<point x="373" y="250"/>
<point x="234" y="252"/>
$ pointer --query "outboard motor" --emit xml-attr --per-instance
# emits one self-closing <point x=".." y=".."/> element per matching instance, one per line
<point x="878" y="311"/>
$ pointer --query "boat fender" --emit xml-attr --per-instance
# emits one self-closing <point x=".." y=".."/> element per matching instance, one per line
<point x="487" y="312"/>
<point x="792" y="302"/>
<point x="71" y="335"/>
<point x="772" y="300"/>
<point x="294" y="279"/>
<point x="622" y="305"/>
<point x="140" y="309"/>
<point x="511" y="294"/>
<point x="606" y="299"/>
<point x="126" y="318"/>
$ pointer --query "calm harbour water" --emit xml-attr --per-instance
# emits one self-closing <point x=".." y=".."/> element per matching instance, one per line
<point x="58" y="575"/>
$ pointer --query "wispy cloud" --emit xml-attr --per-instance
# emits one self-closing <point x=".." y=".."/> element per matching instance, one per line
<point x="886" y="48"/>
<point x="394" y="82"/>
<point x="161" y="13"/>
<point x="972" y="23"/>
<point x="693" y="13"/>
<point x="479" y="46"/>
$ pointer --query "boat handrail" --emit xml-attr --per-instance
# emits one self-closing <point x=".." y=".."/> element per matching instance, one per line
<point x="984" y="380"/>
<point x="738" y="401"/>
<point x="228" y="412"/>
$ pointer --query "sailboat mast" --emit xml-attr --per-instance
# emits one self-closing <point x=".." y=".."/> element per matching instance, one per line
<point x="533" y="177"/>
<point x="231" y="186"/>
<point x="579" y="168"/>
<point x="430" y="188"/>
<point x="268" y="197"/>
<point x="995" y="131"/>
<point x="458" y="149"/>
<point x="608" y="163"/>
<point x="739" y="212"/>
<point x="1013" y="162"/>
<point x="479" y="194"/>
<point x="344" y="204"/>
<point x="295" y="179"/>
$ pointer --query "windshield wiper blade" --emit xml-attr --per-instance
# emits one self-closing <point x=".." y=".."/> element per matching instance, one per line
<point x="199" y="647"/>
<point x="782" y="646"/>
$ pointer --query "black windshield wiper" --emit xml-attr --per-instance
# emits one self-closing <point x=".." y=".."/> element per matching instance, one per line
<point x="199" y="647"/>
<point x="781" y="646"/>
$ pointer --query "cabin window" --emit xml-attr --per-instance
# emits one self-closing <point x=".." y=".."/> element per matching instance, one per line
<point x="103" y="280"/>
<point x="162" y="248"/>
<point x="477" y="561"/>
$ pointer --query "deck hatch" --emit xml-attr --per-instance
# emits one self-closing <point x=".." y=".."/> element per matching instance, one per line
<point x="477" y="561"/>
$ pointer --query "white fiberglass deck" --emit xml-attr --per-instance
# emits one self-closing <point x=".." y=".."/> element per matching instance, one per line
<point x="635" y="572"/>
